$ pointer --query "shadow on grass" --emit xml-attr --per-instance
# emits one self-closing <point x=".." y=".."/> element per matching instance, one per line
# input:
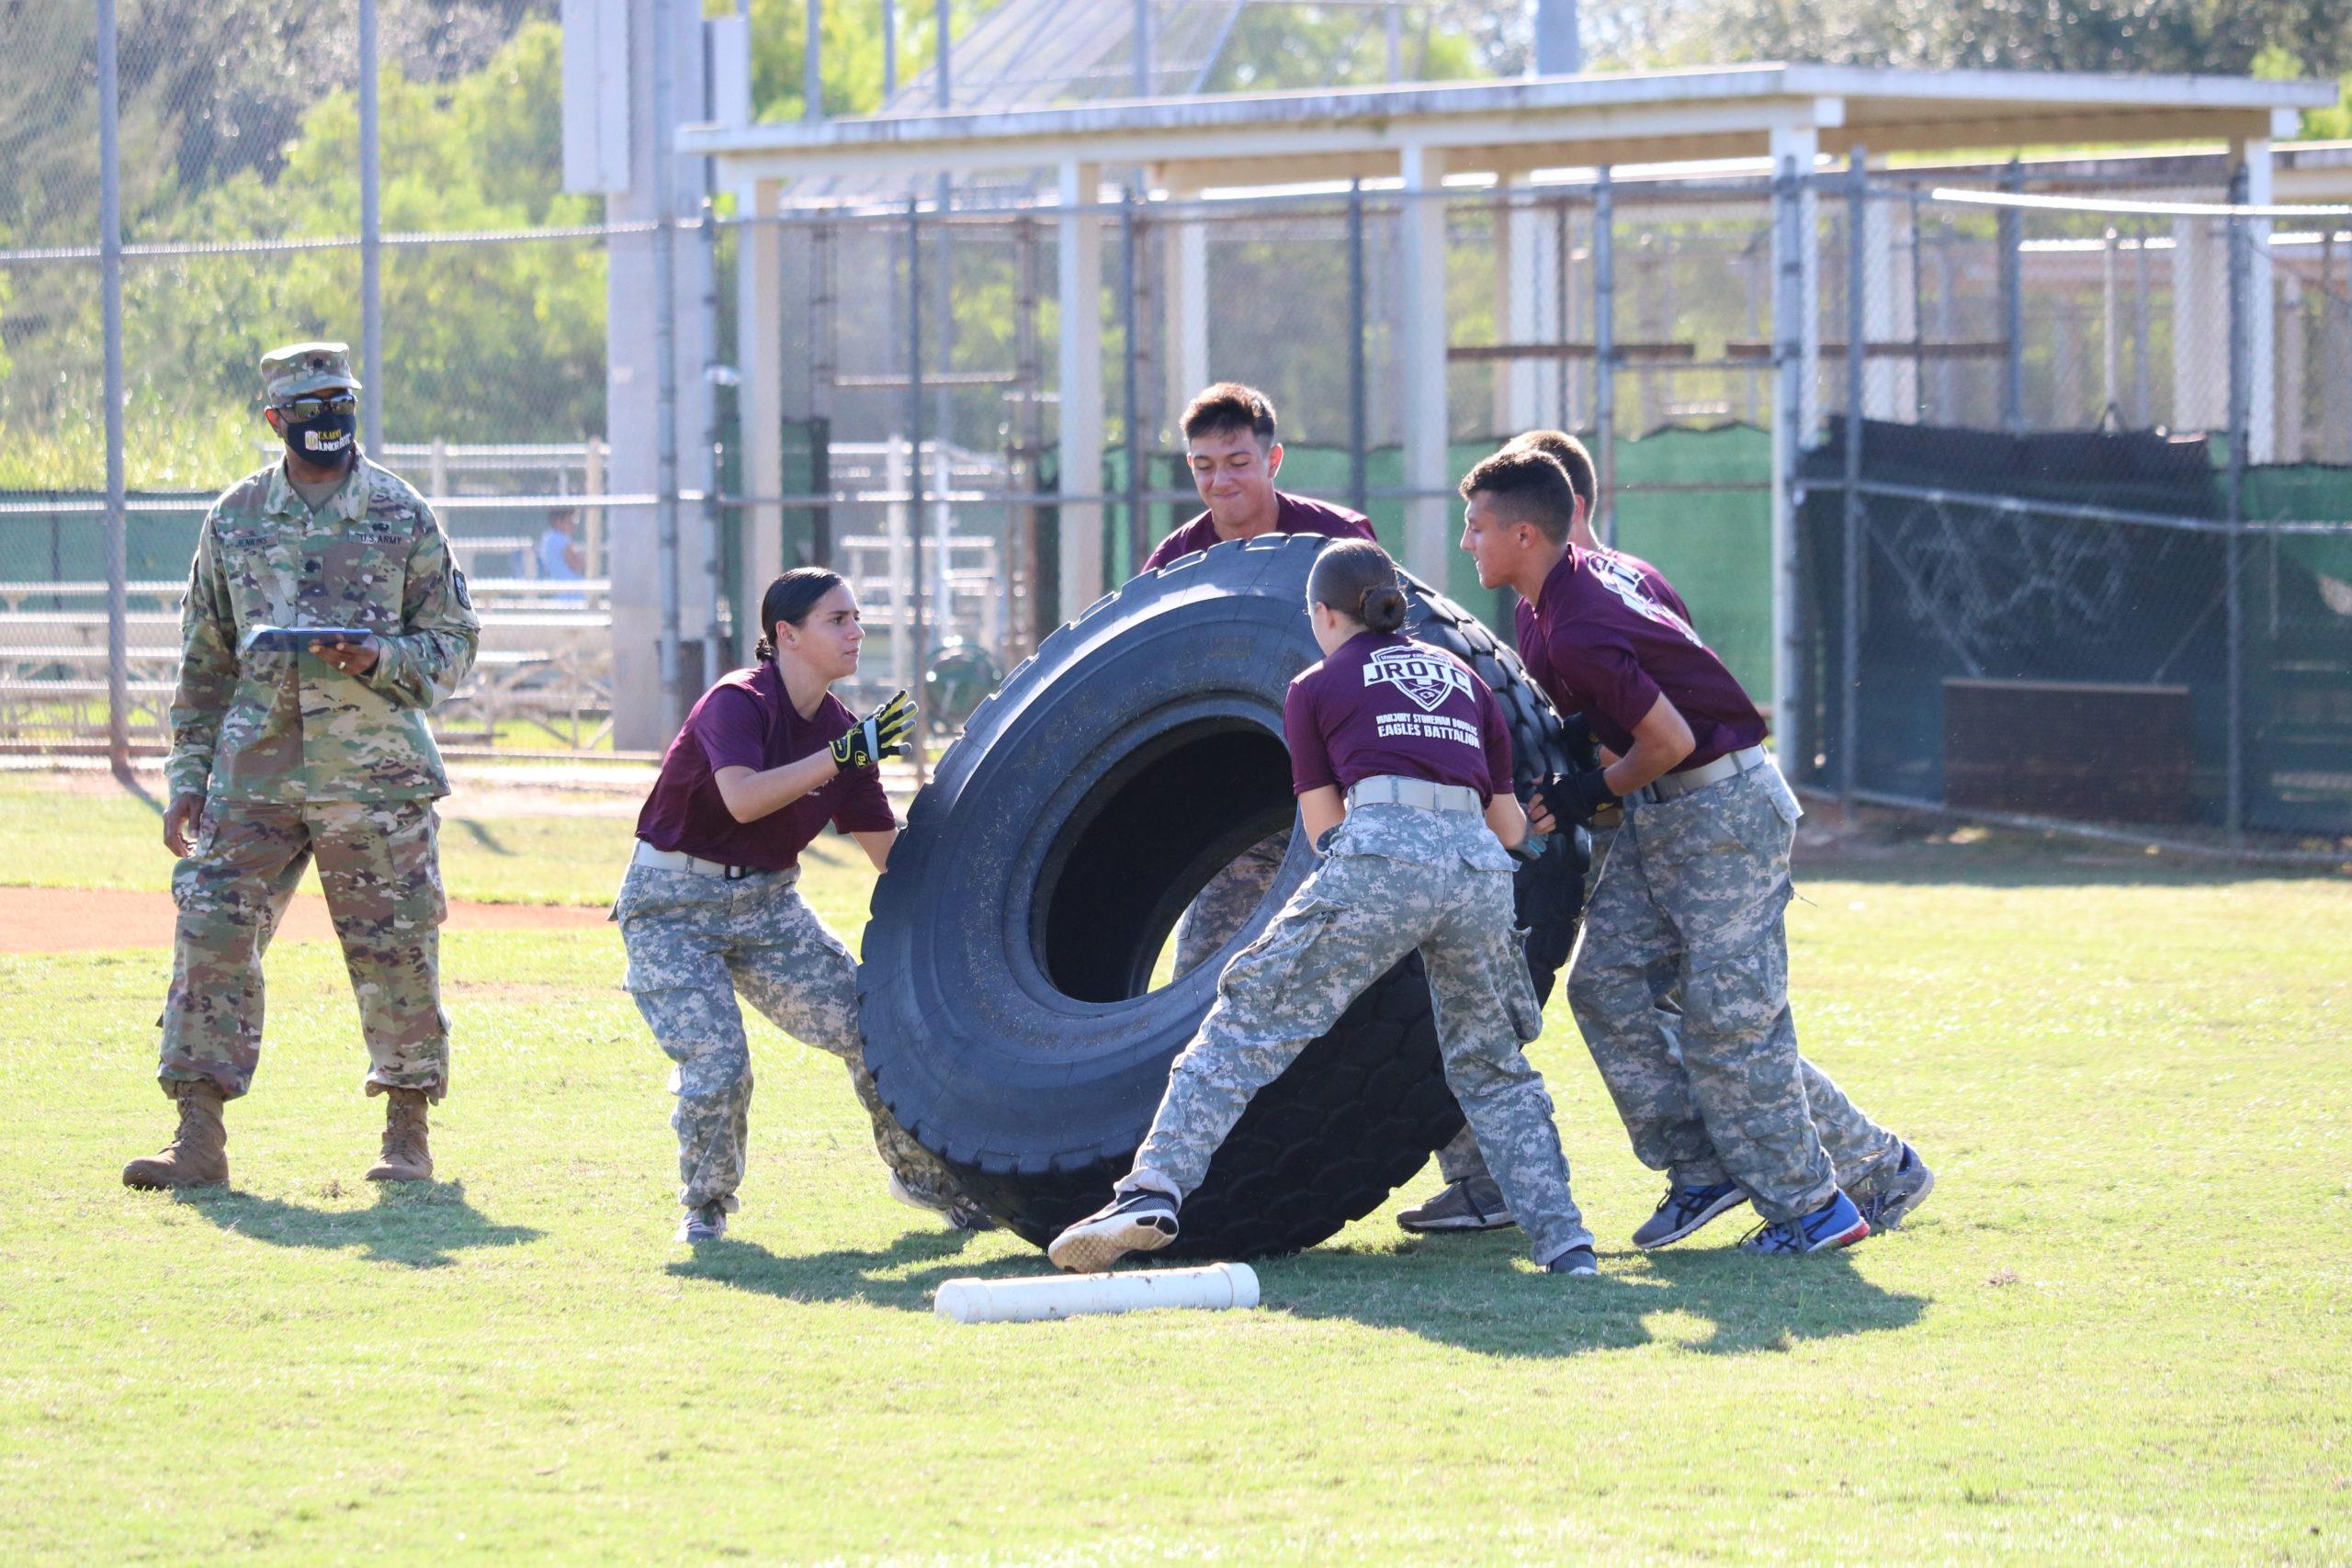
<point x="2088" y="870"/>
<point x="419" y="1224"/>
<point x="902" y="1275"/>
<point x="1467" y="1292"/>
<point x="481" y="835"/>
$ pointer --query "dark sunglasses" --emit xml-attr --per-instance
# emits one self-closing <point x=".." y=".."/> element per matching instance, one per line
<point x="302" y="411"/>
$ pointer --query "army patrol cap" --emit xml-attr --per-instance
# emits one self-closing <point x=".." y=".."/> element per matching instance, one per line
<point x="303" y="368"/>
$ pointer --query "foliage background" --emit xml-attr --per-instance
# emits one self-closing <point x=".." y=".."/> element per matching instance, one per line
<point x="240" y="122"/>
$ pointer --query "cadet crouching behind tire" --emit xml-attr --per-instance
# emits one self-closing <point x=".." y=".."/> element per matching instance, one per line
<point x="709" y="907"/>
<point x="1418" y="857"/>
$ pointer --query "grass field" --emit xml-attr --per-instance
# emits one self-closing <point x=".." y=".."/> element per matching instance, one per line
<point x="2121" y="1331"/>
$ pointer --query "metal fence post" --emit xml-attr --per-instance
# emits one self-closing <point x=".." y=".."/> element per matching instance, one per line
<point x="1130" y="402"/>
<point x="1025" y="439"/>
<point x="1604" y="354"/>
<point x="666" y="372"/>
<point x="1850" y="608"/>
<point x="371" y="235"/>
<point x="812" y="64"/>
<point x="1797" y="742"/>
<point x="944" y="62"/>
<point x="1359" y="409"/>
<point x="110" y="268"/>
<point x="714" y="642"/>
<point x="2232" y="542"/>
<point x="2010" y="227"/>
<point x="912" y="619"/>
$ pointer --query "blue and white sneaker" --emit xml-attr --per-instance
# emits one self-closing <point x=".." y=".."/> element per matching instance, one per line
<point x="1825" y="1230"/>
<point x="705" y="1221"/>
<point x="1684" y="1209"/>
<point x="1140" y="1221"/>
<point x="1575" y="1260"/>
<point x="1891" y="1198"/>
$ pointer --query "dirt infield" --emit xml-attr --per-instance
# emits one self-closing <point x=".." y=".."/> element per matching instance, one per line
<point x="74" y="919"/>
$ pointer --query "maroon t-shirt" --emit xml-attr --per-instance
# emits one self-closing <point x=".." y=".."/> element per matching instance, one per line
<point x="1523" y="613"/>
<point x="747" y="720"/>
<point x="1293" y="514"/>
<point x="1601" y="643"/>
<point x="1385" y="704"/>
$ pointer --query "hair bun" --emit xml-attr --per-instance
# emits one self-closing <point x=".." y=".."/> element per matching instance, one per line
<point x="1383" y="607"/>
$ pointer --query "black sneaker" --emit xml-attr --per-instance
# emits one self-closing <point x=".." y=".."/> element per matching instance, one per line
<point x="1141" y="1221"/>
<point x="1684" y="1209"/>
<point x="1475" y="1203"/>
<point x="1824" y="1230"/>
<point x="1891" y="1198"/>
<point x="1575" y="1260"/>
<point x="706" y="1222"/>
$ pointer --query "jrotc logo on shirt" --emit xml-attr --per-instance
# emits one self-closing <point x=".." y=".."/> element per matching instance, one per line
<point x="1627" y="584"/>
<point x="1429" y="679"/>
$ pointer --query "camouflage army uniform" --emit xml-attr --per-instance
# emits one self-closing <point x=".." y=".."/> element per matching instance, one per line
<point x="1692" y="899"/>
<point x="1860" y="1148"/>
<point x="295" y="759"/>
<point x="1398" y="878"/>
<point x="694" y="943"/>
<point x="1225" y="906"/>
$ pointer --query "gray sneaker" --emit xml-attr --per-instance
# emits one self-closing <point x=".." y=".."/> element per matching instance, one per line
<point x="1891" y="1196"/>
<point x="705" y="1222"/>
<point x="1475" y="1203"/>
<point x="1684" y="1209"/>
<point x="960" y="1212"/>
<point x="1575" y="1260"/>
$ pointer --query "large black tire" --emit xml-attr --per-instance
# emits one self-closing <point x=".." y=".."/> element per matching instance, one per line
<point x="1006" y="1002"/>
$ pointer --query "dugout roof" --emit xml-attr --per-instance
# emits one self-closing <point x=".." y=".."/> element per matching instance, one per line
<point x="1521" y="124"/>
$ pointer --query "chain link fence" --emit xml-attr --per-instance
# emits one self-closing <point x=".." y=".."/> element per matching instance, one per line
<point x="2071" y="546"/>
<point x="2004" y="487"/>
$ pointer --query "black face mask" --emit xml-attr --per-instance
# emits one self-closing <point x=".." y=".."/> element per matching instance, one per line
<point x="325" y="440"/>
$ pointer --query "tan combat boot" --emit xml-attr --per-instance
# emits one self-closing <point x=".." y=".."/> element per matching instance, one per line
<point x="198" y="1155"/>
<point x="406" y="1156"/>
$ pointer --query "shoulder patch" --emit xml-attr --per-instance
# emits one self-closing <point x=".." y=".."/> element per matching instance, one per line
<point x="458" y="586"/>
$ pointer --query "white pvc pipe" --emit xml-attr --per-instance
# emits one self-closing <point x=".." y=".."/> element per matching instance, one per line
<point x="1070" y="1295"/>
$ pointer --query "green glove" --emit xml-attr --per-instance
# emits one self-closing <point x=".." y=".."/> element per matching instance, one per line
<point x="882" y="733"/>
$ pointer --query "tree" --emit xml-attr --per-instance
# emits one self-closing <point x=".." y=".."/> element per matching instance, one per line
<point x="500" y="341"/>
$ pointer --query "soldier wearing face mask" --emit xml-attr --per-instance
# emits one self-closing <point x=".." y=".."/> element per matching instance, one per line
<point x="323" y="618"/>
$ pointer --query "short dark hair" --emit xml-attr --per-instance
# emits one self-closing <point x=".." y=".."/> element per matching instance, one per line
<point x="1230" y="406"/>
<point x="791" y="598"/>
<point x="1356" y="578"/>
<point x="1572" y="455"/>
<point x="1533" y="488"/>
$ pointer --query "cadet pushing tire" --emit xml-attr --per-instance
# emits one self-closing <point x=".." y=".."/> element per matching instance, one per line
<point x="1011" y="1021"/>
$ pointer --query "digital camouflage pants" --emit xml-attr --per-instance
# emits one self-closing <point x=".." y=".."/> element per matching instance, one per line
<point x="1690" y="905"/>
<point x="1396" y="879"/>
<point x="1225" y="906"/>
<point x="695" y="943"/>
<point x="381" y="868"/>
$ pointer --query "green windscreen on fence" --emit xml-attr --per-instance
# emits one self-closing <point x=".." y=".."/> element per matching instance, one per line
<point x="2047" y="558"/>
<point x="1714" y="544"/>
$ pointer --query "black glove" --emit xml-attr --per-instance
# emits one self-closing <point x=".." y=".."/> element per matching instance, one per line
<point x="1575" y="797"/>
<point x="882" y="733"/>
